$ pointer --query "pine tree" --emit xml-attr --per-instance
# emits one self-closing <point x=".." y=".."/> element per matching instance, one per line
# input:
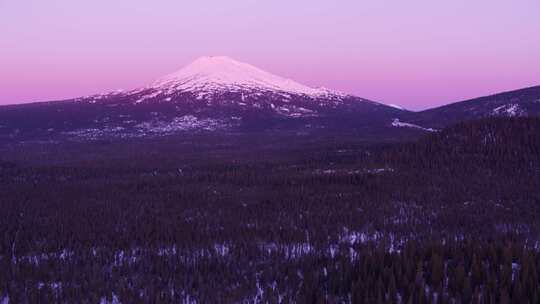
<point x="466" y="295"/>
<point x="437" y="270"/>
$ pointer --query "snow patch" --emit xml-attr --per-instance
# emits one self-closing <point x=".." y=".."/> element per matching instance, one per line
<point x="114" y="300"/>
<point x="149" y="96"/>
<point x="183" y="123"/>
<point x="510" y="110"/>
<point x="399" y="124"/>
<point x="294" y="111"/>
<point x="396" y="106"/>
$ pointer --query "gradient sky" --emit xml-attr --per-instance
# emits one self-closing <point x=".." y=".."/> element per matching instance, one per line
<point x="415" y="53"/>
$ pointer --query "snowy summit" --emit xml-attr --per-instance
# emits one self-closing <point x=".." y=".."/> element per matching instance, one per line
<point x="216" y="73"/>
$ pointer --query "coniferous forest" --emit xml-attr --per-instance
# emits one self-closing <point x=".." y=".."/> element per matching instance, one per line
<point x="451" y="217"/>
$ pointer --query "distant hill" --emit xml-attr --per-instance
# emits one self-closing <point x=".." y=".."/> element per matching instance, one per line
<point x="523" y="102"/>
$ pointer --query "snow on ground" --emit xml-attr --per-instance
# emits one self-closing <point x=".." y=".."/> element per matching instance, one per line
<point x="399" y="124"/>
<point x="156" y="126"/>
<point x="4" y="300"/>
<point x="149" y="96"/>
<point x="95" y="98"/>
<point x="114" y="300"/>
<point x="95" y="133"/>
<point x="183" y="123"/>
<point x="379" y="170"/>
<point x="290" y="251"/>
<point x="396" y="106"/>
<point x="294" y="111"/>
<point x="510" y="110"/>
<point x="349" y="172"/>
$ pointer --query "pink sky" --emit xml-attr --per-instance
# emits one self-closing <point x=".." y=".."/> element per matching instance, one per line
<point x="415" y="53"/>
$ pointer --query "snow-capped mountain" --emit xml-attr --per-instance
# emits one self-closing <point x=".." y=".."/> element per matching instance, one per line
<point x="210" y="94"/>
<point x="219" y="77"/>
<point x="207" y="75"/>
<point x="220" y="94"/>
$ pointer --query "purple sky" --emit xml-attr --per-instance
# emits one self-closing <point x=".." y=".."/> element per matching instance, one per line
<point x="415" y="53"/>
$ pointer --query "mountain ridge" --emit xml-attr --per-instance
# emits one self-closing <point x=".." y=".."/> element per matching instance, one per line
<point x="220" y="94"/>
<point x="519" y="102"/>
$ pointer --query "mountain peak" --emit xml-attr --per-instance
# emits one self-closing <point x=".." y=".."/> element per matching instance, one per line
<point x="215" y="60"/>
<point x="211" y="73"/>
<point x="214" y="64"/>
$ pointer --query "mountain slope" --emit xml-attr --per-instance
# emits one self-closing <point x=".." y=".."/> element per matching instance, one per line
<point x="523" y="102"/>
<point x="211" y="94"/>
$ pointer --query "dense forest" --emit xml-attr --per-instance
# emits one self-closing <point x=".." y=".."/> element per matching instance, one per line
<point x="449" y="218"/>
